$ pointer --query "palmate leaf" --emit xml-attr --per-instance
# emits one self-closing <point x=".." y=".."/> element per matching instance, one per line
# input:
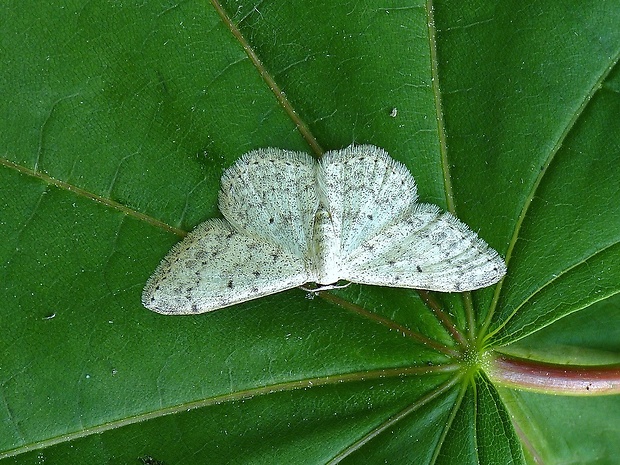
<point x="116" y="123"/>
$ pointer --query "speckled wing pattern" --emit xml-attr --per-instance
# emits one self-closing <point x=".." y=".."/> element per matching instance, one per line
<point x="364" y="190"/>
<point x="271" y="194"/>
<point x="372" y="231"/>
<point x="268" y="198"/>
<point x="388" y="239"/>
<point x="216" y="266"/>
<point x="427" y="250"/>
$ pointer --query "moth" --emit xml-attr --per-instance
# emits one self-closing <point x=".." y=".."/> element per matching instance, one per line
<point x="290" y="220"/>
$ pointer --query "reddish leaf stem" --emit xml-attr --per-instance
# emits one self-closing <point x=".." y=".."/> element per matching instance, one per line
<point x="550" y="378"/>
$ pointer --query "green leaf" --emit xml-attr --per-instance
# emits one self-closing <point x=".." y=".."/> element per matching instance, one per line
<point x="578" y="338"/>
<point x="559" y="429"/>
<point x="481" y="431"/>
<point x="116" y="122"/>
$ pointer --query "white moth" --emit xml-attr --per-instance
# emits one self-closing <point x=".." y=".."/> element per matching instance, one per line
<point x="290" y="220"/>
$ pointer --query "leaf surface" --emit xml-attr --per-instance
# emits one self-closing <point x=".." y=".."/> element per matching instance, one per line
<point x="116" y="122"/>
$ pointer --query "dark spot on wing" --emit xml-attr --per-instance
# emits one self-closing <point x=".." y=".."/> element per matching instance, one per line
<point x="230" y="284"/>
<point x="418" y="268"/>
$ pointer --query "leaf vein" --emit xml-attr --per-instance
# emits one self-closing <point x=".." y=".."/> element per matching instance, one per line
<point x="528" y="201"/>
